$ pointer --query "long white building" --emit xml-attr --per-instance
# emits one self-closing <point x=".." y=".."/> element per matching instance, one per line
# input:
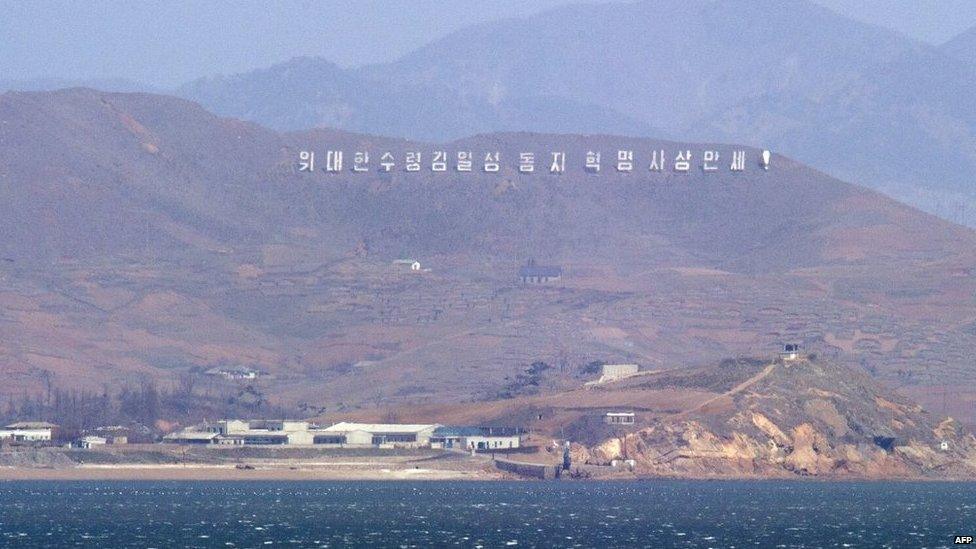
<point x="249" y="432"/>
<point x="377" y="434"/>
<point x="28" y="431"/>
<point x="345" y="434"/>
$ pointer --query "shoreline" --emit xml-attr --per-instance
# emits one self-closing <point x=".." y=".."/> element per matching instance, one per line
<point x="231" y="472"/>
<point x="155" y="462"/>
<point x="355" y="472"/>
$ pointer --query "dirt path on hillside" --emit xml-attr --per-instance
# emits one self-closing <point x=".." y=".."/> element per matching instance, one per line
<point x="731" y="392"/>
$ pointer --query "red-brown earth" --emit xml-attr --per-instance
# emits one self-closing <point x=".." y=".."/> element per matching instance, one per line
<point x="143" y="237"/>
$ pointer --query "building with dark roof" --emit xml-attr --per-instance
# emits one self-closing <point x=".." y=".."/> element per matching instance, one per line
<point x="531" y="273"/>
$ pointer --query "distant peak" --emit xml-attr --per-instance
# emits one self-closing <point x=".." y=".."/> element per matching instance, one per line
<point x="309" y="61"/>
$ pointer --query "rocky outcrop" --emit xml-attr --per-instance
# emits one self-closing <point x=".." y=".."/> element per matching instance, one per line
<point x="806" y="419"/>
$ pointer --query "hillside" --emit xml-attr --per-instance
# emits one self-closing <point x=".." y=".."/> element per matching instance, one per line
<point x="145" y="238"/>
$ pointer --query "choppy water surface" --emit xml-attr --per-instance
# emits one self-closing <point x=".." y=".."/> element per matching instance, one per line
<point x="488" y="514"/>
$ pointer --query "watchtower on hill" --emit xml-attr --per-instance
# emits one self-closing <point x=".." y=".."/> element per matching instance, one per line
<point x="791" y="351"/>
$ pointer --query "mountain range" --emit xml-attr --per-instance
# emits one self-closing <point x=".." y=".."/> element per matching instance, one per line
<point x="962" y="47"/>
<point x="859" y="102"/>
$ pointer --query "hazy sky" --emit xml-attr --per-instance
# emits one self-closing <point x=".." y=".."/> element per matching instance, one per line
<point x="932" y="21"/>
<point x="166" y="43"/>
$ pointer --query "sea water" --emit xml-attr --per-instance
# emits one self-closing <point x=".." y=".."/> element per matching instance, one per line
<point x="654" y="513"/>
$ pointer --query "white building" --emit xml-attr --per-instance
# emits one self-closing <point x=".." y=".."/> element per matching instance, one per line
<point x="301" y="433"/>
<point x="476" y="438"/>
<point x="28" y="431"/>
<point x="91" y="442"/>
<point x="380" y="434"/>
<point x="353" y="438"/>
<point x="190" y="436"/>
<point x="246" y="432"/>
<point x="241" y="373"/>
